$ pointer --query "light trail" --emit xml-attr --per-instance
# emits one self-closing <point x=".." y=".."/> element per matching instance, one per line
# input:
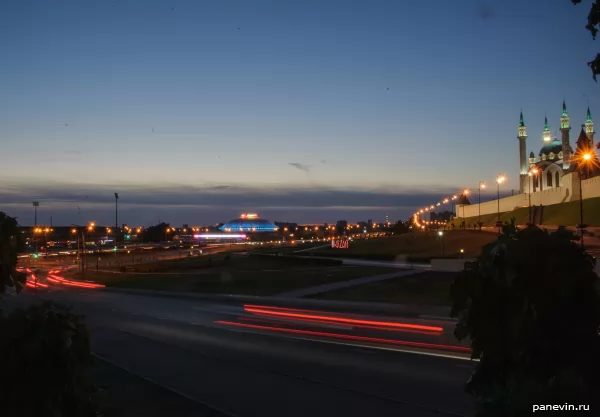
<point x="453" y="348"/>
<point x="309" y="315"/>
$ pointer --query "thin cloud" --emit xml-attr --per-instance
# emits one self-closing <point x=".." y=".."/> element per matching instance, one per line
<point x="301" y="167"/>
<point x="73" y="152"/>
<point x="74" y="203"/>
<point x="485" y="12"/>
<point x="219" y="196"/>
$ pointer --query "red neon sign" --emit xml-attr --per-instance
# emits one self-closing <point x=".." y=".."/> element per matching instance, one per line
<point x="340" y="244"/>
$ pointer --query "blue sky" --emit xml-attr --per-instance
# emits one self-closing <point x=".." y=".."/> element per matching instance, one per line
<point x="226" y="106"/>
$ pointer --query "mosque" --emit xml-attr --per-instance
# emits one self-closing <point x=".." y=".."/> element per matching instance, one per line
<point x="559" y="173"/>
<point x="556" y="158"/>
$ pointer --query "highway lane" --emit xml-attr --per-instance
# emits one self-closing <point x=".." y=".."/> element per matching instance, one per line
<point x="256" y="371"/>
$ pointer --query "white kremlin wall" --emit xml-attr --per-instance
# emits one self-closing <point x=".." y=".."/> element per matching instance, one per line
<point x="568" y="191"/>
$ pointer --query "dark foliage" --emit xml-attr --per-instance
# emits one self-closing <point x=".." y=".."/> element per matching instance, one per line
<point x="45" y="354"/>
<point x="156" y="233"/>
<point x="593" y="21"/>
<point x="531" y="309"/>
<point x="400" y="227"/>
<point x="11" y="243"/>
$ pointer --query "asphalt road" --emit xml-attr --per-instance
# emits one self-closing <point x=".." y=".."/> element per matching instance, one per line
<point x="262" y="361"/>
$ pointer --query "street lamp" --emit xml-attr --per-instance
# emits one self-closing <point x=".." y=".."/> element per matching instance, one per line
<point x="453" y="198"/>
<point x="441" y="235"/>
<point x="585" y="160"/>
<point x="479" y="187"/>
<point x="465" y="193"/>
<point x="499" y="180"/>
<point x="116" y="217"/>
<point x="532" y="173"/>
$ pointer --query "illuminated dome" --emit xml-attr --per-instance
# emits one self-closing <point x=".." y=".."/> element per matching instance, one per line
<point x="552" y="149"/>
<point x="248" y="223"/>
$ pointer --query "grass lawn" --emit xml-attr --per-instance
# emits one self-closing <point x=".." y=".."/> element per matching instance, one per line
<point x="425" y="288"/>
<point x="121" y="394"/>
<point x="417" y="245"/>
<point x="247" y="275"/>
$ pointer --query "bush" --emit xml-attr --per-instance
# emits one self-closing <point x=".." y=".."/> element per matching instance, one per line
<point x="44" y="353"/>
<point x="11" y="243"/>
<point x="531" y="309"/>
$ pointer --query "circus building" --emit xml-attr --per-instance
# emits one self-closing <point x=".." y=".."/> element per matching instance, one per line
<point x="249" y="222"/>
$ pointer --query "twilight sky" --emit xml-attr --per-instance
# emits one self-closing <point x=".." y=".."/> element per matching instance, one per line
<point x="309" y="111"/>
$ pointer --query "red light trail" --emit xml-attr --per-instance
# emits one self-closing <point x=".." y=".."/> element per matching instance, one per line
<point x="309" y="315"/>
<point x="348" y="337"/>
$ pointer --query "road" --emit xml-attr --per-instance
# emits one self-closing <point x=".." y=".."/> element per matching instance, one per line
<point x="247" y="360"/>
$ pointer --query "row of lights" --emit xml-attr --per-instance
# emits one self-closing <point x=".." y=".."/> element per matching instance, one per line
<point x="481" y="185"/>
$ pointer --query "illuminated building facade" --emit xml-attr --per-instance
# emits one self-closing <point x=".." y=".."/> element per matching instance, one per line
<point x="556" y="157"/>
<point x="249" y="222"/>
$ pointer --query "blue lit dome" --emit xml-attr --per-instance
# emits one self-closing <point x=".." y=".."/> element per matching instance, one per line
<point x="248" y="223"/>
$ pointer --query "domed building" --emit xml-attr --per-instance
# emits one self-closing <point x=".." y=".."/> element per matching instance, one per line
<point x="556" y="157"/>
<point x="248" y="223"/>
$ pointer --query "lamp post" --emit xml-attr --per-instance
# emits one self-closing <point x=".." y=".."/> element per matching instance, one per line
<point x="479" y="187"/>
<point x="116" y="219"/>
<point x="529" y="184"/>
<point x="453" y="198"/>
<point x="585" y="159"/>
<point x="36" y="204"/>
<point x="499" y="180"/>
<point x="441" y="235"/>
<point x="465" y="194"/>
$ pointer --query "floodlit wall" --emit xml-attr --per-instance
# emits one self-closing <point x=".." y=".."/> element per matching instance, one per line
<point x="568" y="191"/>
<point x="590" y="188"/>
<point x="489" y="207"/>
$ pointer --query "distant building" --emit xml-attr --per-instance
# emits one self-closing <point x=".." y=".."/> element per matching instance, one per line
<point x="286" y="226"/>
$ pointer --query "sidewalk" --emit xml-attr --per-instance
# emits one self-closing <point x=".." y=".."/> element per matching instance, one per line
<point x="318" y="289"/>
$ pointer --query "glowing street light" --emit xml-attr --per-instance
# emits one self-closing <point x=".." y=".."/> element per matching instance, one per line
<point x="480" y="186"/>
<point x="585" y="161"/>
<point x="466" y="192"/>
<point x="499" y="180"/>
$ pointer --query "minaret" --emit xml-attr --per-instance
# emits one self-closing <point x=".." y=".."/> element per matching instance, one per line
<point x="547" y="135"/>
<point x="589" y="127"/>
<point x="531" y="159"/>
<point x="522" y="154"/>
<point x="564" y="130"/>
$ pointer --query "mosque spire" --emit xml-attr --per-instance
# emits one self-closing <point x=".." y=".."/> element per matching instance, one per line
<point x="589" y="126"/>
<point x="547" y="135"/>
<point x="564" y="118"/>
<point x="522" y="127"/>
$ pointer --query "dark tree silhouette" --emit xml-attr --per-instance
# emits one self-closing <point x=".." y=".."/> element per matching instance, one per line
<point x="45" y="353"/>
<point x="156" y="233"/>
<point x="11" y="243"/>
<point x="593" y="21"/>
<point x="400" y="227"/>
<point x="530" y="307"/>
